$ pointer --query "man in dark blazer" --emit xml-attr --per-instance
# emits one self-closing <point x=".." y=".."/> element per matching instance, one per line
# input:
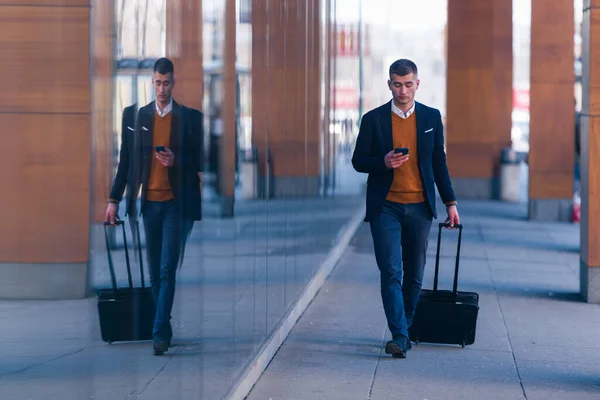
<point x="165" y="161"/>
<point x="401" y="146"/>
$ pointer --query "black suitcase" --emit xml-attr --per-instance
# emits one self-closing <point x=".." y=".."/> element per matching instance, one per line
<point x="444" y="316"/>
<point x="125" y="314"/>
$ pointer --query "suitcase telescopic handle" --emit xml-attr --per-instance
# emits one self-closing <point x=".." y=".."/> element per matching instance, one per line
<point x="437" y="256"/>
<point x="111" y="266"/>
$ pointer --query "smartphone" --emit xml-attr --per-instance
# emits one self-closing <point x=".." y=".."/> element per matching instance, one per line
<point x="401" y="150"/>
<point x="160" y="148"/>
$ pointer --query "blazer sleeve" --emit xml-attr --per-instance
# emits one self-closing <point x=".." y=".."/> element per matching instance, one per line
<point x="193" y="157"/>
<point x="120" y="181"/>
<point x="198" y="139"/>
<point x="440" y="167"/>
<point x="363" y="159"/>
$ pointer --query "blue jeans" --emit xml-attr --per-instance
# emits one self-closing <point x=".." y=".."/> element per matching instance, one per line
<point x="166" y="234"/>
<point x="400" y="236"/>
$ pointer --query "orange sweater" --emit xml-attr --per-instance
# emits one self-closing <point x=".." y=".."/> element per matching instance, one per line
<point x="159" y="187"/>
<point x="407" y="186"/>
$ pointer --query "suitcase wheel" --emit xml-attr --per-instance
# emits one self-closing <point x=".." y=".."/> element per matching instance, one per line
<point x="110" y="342"/>
<point x="463" y="345"/>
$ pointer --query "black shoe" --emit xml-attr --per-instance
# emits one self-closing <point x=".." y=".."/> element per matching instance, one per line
<point x="398" y="347"/>
<point x="160" y="347"/>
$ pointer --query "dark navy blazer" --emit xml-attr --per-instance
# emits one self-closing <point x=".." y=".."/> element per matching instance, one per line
<point x="375" y="141"/>
<point x="186" y="142"/>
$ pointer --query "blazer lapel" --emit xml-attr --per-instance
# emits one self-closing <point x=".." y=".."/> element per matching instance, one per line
<point x="147" y="136"/>
<point x="175" y="128"/>
<point x="386" y="121"/>
<point x="421" y="126"/>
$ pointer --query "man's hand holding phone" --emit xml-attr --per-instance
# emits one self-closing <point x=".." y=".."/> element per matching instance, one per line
<point x="165" y="156"/>
<point x="395" y="158"/>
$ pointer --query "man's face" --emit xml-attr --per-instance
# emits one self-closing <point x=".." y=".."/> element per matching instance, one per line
<point x="163" y="86"/>
<point x="403" y="88"/>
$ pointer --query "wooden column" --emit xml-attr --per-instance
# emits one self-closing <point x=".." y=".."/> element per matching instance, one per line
<point x="479" y="93"/>
<point x="228" y="140"/>
<point x="260" y="79"/>
<point x="329" y="42"/>
<point x="102" y="97"/>
<point x="590" y="154"/>
<point x="286" y="95"/>
<point x="184" y="48"/>
<point x="45" y="119"/>
<point x="552" y="110"/>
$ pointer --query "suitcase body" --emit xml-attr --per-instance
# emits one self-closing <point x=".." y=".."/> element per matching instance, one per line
<point x="445" y="316"/>
<point x="125" y="314"/>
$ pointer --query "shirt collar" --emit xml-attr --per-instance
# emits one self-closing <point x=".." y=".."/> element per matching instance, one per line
<point x="167" y="109"/>
<point x="399" y="112"/>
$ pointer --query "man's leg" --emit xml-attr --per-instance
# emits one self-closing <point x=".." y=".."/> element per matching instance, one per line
<point x="416" y="225"/>
<point x="186" y="229"/>
<point x="386" y="232"/>
<point x="171" y="241"/>
<point x="153" y="230"/>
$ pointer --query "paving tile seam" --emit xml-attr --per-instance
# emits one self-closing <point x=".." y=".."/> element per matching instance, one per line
<point x="374" y="376"/>
<point x="512" y="351"/>
<point x="70" y="353"/>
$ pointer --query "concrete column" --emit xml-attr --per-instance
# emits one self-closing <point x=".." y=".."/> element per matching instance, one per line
<point x="590" y="154"/>
<point x="45" y="119"/>
<point x="479" y="93"/>
<point x="552" y="110"/>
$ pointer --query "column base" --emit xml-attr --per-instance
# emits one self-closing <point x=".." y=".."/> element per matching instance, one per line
<point x="589" y="282"/>
<point x="43" y="281"/>
<point x="289" y="187"/>
<point x="476" y="188"/>
<point x="227" y="207"/>
<point x="550" y="210"/>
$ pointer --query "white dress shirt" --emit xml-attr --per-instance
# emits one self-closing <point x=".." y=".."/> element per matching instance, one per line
<point x="400" y="113"/>
<point x="167" y="109"/>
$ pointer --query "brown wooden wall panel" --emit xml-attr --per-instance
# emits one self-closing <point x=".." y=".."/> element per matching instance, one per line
<point x="473" y="160"/>
<point x="470" y="34"/>
<point x="327" y="83"/>
<point x="102" y="50"/>
<point x="548" y="184"/>
<point x="286" y="82"/>
<point x="184" y="48"/>
<point x="590" y="136"/>
<point x="552" y="129"/>
<point x="590" y="178"/>
<point x="552" y="108"/>
<point x="276" y="52"/>
<point x="228" y="139"/>
<point x="48" y="59"/>
<point x="314" y="94"/>
<point x="48" y="188"/>
<point x="591" y="100"/>
<point x="295" y="119"/>
<point x="503" y="71"/>
<point x="46" y="3"/>
<point x="479" y="85"/>
<point x="260" y="78"/>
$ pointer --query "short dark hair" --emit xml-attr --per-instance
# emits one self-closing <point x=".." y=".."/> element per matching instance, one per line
<point x="403" y="67"/>
<point x="164" y="66"/>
